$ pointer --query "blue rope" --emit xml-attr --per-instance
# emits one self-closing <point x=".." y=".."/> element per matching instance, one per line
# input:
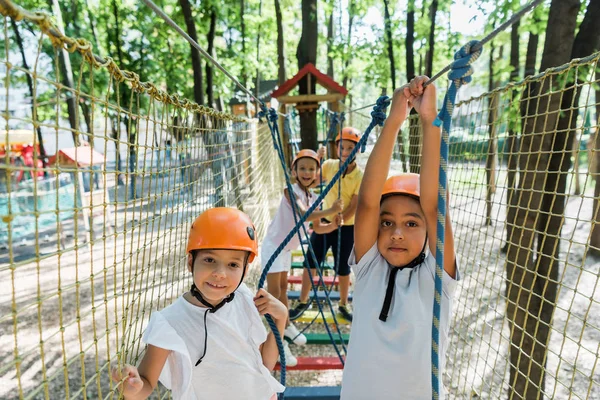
<point x="272" y="122"/>
<point x="459" y="75"/>
<point x="378" y="112"/>
<point x="296" y="213"/>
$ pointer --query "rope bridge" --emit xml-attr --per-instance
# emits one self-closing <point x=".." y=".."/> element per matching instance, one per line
<point x="98" y="242"/>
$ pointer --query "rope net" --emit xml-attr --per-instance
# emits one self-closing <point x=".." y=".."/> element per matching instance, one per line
<point x="93" y="241"/>
<point x="524" y="191"/>
<point x="93" y="238"/>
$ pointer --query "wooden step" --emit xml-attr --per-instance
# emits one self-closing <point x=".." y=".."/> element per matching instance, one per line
<point x="323" y="338"/>
<point x="333" y="295"/>
<point x="312" y="393"/>
<point x="300" y="265"/>
<point x="328" y="280"/>
<point x="309" y="315"/>
<point x="314" y="364"/>
<point x="298" y="253"/>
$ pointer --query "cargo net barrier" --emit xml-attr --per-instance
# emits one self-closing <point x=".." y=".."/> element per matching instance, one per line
<point x="524" y="189"/>
<point x="99" y="183"/>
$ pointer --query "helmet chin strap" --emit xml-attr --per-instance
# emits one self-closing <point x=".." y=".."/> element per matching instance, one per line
<point x="387" y="302"/>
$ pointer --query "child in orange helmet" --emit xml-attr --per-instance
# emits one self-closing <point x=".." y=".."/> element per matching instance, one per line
<point x="389" y="355"/>
<point x="325" y="234"/>
<point x="305" y="171"/>
<point x="211" y="343"/>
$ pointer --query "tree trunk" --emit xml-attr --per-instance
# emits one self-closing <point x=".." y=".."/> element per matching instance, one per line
<point x="595" y="230"/>
<point x="430" y="51"/>
<point x="390" y="43"/>
<point x="244" y="70"/>
<point x="410" y="40"/>
<point x="38" y="130"/>
<point x="186" y="8"/>
<point x="257" y="85"/>
<point x="307" y="53"/>
<point x="351" y="13"/>
<point x="66" y="73"/>
<point x="330" y="36"/>
<point x="280" y="43"/>
<point x="586" y="42"/>
<point x="413" y="128"/>
<point x="512" y="139"/>
<point x="210" y="38"/>
<point x="492" y="153"/>
<point x="532" y="286"/>
<point x="123" y="96"/>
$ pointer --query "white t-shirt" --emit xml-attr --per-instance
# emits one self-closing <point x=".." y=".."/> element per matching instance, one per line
<point x="284" y="221"/>
<point x="232" y="367"/>
<point x="392" y="359"/>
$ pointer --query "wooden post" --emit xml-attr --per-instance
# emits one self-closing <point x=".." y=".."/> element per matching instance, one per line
<point x="334" y="106"/>
<point x="285" y="143"/>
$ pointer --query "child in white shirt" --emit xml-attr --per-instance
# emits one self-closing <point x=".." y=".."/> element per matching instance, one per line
<point x="389" y="355"/>
<point x="305" y="171"/>
<point x="211" y="343"/>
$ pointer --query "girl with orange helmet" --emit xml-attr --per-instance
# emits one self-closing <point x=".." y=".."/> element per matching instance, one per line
<point x="305" y="172"/>
<point x="325" y="234"/>
<point x="211" y="343"/>
<point x="394" y="264"/>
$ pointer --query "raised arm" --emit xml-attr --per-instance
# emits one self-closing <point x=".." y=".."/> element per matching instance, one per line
<point x="366" y="222"/>
<point x="426" y="105"/>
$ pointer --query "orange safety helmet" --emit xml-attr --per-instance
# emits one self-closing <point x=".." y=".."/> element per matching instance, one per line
<point x="307" y="153"/>
<point x="403" y="184"/>
<point x="349" y="133"/>
<point x="223" y="228"/>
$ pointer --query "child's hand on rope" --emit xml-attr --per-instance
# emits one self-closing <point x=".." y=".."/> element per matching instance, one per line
<point x="338" y="220"/>
<point x="337" y="206"/>
<point x="424" y="99"/>
<point x="267" y="304"/>
<point x="321" y="151"/>
<point x="400" y="103"/>
<point x="133" y="382"/>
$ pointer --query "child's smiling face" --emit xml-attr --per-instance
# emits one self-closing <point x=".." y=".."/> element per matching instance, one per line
<point x="305" y="171"/>
<point x="402" y="230"/>
<point x="217" y="273"/>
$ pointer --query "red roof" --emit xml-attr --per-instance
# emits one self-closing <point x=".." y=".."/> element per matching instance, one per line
<point x="81" y="156"/>
<point x="324" y="80"/>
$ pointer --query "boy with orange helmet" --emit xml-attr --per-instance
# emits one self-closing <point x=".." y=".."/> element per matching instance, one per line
<point x="212" y="335"/>
<point x="394" y="264"/>
<point x="305" y="171"/>
<point x="325" y="234"/>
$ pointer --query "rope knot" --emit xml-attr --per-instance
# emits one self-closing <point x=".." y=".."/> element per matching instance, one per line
<point x="378" y="113"/>
<point x="272" y="115"/>
<point x="461" y="69"/>
<point x="459" y="75"/>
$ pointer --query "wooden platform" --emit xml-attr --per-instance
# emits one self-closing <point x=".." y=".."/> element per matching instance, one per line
<point x="314" y="364"/>
<point x="333" y="295"/>
<point x="300" y="265"/>
<point x="323" y="338"/>
<point x="328" y="280"/>
<point x="313" y="393"/>
<point x="309" y="315"/>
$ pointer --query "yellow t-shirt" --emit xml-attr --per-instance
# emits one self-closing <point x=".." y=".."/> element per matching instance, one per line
<point x="350" y="185"/>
